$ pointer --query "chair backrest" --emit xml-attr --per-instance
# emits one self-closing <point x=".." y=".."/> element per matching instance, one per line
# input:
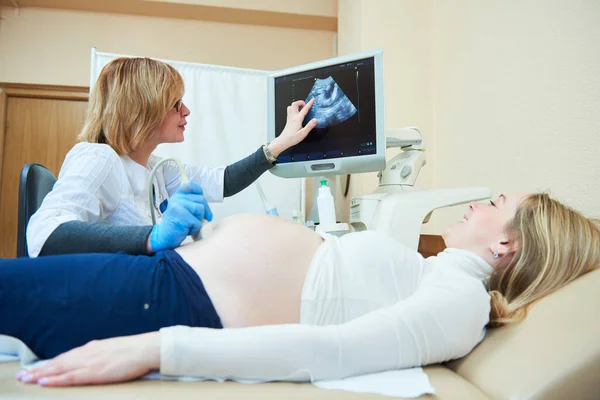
<point x="35" y="183"/>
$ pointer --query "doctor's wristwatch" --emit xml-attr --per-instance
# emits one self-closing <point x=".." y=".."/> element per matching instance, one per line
<point x="268" y="154"/>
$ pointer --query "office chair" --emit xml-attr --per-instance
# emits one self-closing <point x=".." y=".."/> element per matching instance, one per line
<point x="35" y="183"/>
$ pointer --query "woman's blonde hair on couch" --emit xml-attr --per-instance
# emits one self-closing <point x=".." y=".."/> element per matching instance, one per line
<point x="129" y="101"/>
<point x="554" y="245"/>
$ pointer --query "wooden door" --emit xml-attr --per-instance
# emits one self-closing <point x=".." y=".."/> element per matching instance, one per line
<point x="40" y="126"/>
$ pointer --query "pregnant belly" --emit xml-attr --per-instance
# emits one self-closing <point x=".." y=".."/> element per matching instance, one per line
<point x="253" y="267"/>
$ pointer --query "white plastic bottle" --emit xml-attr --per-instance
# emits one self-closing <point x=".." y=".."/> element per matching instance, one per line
<point x="325" y="205"/>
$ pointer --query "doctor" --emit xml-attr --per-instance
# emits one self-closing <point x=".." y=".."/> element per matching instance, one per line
<point x="100" y="201"/>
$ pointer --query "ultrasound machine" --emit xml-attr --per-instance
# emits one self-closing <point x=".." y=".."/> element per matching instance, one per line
<point x="351" y="137"/>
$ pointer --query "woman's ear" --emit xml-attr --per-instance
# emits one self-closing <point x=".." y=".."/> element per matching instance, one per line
<point x="502" y="248"/>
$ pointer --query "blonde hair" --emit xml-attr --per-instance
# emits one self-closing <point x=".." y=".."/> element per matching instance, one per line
<point x="129" y="101"/>
<point x="555" y="245"/>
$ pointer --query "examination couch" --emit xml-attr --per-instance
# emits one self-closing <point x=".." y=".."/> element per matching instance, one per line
<point x="554" y="354"/>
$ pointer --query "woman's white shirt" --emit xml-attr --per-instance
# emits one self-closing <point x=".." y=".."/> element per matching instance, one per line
<point x="95" y="184"/>
<point x="369" y="304"/>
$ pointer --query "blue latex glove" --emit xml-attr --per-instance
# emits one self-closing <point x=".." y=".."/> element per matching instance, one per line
<point x="185" y="212"/>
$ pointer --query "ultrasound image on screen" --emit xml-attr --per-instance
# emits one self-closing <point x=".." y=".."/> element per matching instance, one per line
<point x="344" y="108"/>
<point x="331" y="106"/>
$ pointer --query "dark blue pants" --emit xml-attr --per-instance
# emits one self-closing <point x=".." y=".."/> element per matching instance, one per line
<point x="57" y="303"/>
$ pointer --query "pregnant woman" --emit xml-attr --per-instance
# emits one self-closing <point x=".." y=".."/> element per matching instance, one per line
<point x="264" y="298"/>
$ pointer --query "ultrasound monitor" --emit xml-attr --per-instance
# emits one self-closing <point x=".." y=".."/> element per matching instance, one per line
<point x="350" y="135"/>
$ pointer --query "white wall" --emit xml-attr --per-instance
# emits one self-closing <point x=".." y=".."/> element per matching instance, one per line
<point x="507" y="92"/>
<point x="517" y="98"/>
<point x="403" y="30"/>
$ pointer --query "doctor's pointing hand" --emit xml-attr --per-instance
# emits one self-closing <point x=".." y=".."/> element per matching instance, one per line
<point x="293" y="132"/>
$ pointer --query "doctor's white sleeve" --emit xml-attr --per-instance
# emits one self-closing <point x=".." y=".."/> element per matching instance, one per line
<point x="210" y="180"/>
<point x="440" y="322"/>
<point x="88" y="189"/>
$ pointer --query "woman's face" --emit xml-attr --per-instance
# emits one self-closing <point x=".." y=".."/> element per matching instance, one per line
<point x="481" y="230"/>
<point x="173" y="125"/>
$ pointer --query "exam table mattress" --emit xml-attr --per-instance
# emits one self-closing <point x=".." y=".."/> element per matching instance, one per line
<point x="448" y="385"/>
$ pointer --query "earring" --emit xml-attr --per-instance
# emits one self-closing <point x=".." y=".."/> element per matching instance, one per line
<point x="495" y="255"/>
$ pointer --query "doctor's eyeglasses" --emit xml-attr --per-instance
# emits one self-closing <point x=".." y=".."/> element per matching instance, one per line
<point x="178" y="105"/>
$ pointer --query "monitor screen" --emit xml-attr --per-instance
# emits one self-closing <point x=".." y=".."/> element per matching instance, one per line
<point x="349" y="135"/>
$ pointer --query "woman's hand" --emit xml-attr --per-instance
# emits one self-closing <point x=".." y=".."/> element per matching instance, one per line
<point x="100" y="361"/>
<point x="293" y="132"/>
